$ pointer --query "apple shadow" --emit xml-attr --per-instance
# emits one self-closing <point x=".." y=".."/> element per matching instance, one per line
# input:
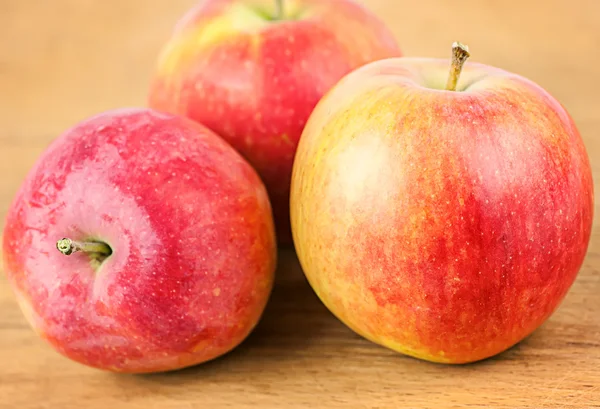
<point x="292" y="321"/>
<point x="294" y="316"/>
<point x="516" y="352"/>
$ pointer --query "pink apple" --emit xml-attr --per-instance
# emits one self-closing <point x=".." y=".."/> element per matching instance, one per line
<point x="178" y="243"/>
<point x="253" y="74"/>
<point x="443" y="220"/>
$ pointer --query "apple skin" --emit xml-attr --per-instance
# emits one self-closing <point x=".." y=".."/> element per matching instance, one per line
<point x="443" y="225"/>
<point x="255" y="82"/>
<point x="192" y="234"/>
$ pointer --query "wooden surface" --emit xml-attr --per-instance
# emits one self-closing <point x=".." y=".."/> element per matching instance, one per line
<point x="63" y="60"/>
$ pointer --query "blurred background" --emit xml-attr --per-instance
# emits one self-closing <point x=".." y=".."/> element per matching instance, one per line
<point x="64" y="60"/>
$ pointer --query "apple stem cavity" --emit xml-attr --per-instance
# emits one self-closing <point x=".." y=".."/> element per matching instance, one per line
<point x="278" y="9"/>
<point x="460" y="53"/>
<point x="97" y="250"/>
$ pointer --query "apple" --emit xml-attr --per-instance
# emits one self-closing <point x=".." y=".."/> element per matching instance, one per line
<point x="172" y="240"/>
<point x="443" y="216"/>
<point x="253" y="70"/>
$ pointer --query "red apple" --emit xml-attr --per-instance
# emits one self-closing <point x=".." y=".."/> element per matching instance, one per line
<point x="176" y="243"/>
<point x="446" y="224"/>
<point x="253" y="74"/>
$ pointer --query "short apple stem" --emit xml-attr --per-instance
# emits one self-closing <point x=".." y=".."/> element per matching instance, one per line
<point x="95" y="249"/>
<point x="460" y="53"/>
<point x="278" y="9"/>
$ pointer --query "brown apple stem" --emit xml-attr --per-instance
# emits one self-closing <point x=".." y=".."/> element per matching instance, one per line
<point x="278" y="9"/>
<point x="460" y="53"/>
<point x="95" y="249"/>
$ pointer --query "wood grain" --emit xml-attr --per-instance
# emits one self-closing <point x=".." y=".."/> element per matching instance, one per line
<point x="64" y="60"/>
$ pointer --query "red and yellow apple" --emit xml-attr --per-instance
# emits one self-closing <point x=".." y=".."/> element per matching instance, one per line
<point x="172" y="240"/>
<point x="446" y="224"/>
<point x="253" y="74"/>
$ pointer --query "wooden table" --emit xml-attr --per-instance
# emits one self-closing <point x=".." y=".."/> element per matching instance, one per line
<point x="63" y="60"/>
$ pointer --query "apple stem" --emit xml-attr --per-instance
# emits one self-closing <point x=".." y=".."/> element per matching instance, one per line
<point x="95" y="249"/>
<point x="278" y="9"/>
<point x="460" y="53"/>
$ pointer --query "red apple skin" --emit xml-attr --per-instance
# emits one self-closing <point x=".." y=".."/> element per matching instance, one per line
<point x="444" y="225"/>
<point x="255" y="82"/>
<point x="191" y="230"/>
